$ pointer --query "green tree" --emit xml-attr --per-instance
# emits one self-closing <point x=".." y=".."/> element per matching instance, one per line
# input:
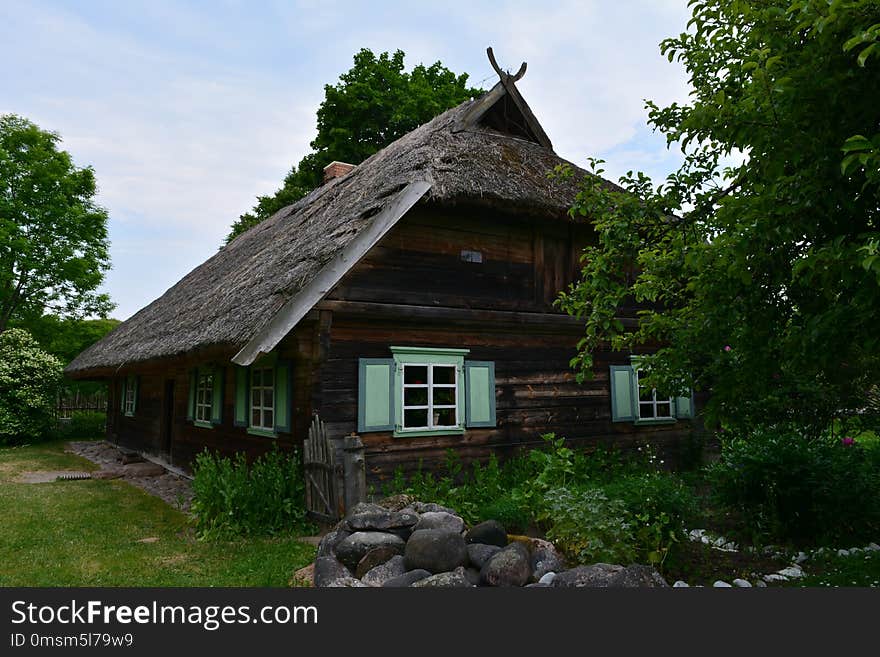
<point x="761" y="279"/>
<point x="53" y="236"/>
<point x="29" y="382"/>
<point x="373" y="104"/>
<point x="65" y="338"/>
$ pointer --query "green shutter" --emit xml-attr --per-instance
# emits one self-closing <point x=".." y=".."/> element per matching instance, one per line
<point x="479" y="379"/>
<point x="218" y="396"/>
<point x="684" y="407"/>
<point x="283" y="395"/>
<point x="623" y="393"/>
<point x="191" y="400"/>
<point x="122" y="386"/>
<point x="375" y="394"/>
<point x="242" y="376"/>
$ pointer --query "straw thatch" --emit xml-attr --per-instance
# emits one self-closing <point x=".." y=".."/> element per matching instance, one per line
<point x="232" y="295"/>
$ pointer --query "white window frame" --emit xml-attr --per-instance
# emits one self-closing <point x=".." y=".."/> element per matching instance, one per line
<point x="129" y="390"/>
<point x="652" y="403"/>
<point x="261" y="408"/>
<point x="204" y="396"/>
<point x="430" y="386"/>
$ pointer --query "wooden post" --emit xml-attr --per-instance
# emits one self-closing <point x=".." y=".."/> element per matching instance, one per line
<point x="354" y="472"/>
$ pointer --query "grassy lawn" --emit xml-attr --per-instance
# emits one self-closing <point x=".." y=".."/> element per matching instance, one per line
<point x="87" y="533"/>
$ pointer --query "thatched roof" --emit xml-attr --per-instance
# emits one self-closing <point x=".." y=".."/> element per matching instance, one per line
<point x="486" y="151"/>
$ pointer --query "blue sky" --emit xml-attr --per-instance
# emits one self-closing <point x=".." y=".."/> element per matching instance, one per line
<point x="189" y="110"/>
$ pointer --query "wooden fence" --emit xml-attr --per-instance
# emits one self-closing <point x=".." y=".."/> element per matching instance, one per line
<point x="69" y="403"/>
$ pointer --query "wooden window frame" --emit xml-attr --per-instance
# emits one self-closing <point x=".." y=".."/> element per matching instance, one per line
<point x="427" y="357"/>
<point x="204" y="391"/>
<point x="261" y="408"/>
<point x="429" y="387"/>
<point x="129" y="392"/>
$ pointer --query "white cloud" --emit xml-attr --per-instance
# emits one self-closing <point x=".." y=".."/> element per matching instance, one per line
<point x="187" y="116"/>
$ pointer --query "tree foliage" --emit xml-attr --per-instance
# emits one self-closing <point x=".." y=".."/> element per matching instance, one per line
<point x="53" y="236"/>
<point x="374" y="103"/>
<point x="65" y="338"/>
<point x="760" y="279"/>
<point x="29" y="381"/>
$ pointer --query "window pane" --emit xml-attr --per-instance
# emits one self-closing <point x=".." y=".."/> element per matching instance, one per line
<point x="646" y="410"/>
<point x="415" y="374"/>
<point x="444" y="417"/>
<point x="255" y="418"/>
<point x="255" y="397"/>
<point x="663" y="409"/>
<point x="444" y="374"/>
<point x="267" y="398"/>
<point x="444" y="396"/>
<point x="267" y="419"/>
<point x="415" y="396"/>
<point x="417" y="418"/>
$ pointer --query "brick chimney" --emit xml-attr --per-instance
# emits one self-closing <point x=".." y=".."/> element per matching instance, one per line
<point x="336" y="169"/>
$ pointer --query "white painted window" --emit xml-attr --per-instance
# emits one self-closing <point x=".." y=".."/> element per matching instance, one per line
<point x="429" y="397"/>
<point x="130" y="392"/>
<point x="263" y="398"/>
<point x="204" y="396"/>
<point x="652" y="406"/>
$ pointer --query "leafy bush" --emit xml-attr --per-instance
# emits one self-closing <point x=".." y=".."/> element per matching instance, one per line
<point x="83" y="425"/>
<point x="233" y="498"/>
<point x="822" y="490"/>
<point x="588" y="526"/>
<point x="29" y="382"/>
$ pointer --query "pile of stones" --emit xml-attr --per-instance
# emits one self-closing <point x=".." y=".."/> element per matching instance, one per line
<point x="400" y="542"/>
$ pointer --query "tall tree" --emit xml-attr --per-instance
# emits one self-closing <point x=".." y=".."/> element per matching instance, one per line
<point x="762" y="278"/>
<point x="53" y="236"/>
<point x="373" y="104"/>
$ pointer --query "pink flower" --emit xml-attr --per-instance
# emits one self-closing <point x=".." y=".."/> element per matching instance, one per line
<point x="848" y="441"/>
<point x="727" y="347"/>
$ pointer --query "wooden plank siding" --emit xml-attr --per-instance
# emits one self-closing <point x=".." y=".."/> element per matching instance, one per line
<point x="415" y="289"/>
<point x="142" y="432"/>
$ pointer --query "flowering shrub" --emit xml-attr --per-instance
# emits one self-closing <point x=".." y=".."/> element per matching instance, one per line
<point x="792" y="488"/>
<point x="29" y="382"/>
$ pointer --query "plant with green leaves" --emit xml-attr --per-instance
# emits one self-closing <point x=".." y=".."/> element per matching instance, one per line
<point x="29" y="383"/>
<point x="756" y="263"/>
<point x="53" y="235"/>
<point x="235" y="498"/>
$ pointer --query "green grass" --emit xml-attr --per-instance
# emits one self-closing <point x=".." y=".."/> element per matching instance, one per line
<point x="86" y="533"/>
<point x="861" y="569"/>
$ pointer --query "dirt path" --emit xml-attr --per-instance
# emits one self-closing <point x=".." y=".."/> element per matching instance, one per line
<point x="172" y="488"/>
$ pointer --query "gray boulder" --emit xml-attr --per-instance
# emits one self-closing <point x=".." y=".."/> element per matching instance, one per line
<point x="396" y="502"/>
<point x="490" y="532"/>
<point x="327" y="546"/>
<point x="472" y="575"/>
<point x="364" y="507"/>
<point x="435" y="550"/>
<point x="444" y="580"/>
<point x="545" y="558"/>
<point x="508" y="567"/>
<point x="440" y="520"/>
<point x="382" y="521"/>
<point x="328" y="570"/>
<point x="377" y="576"/>
<point x="406" y="579"/>
<point x="480" y="553"/>
<point x="375" y="557"/>
<point x="353" y="548"/>
<point x="347" y="582"/>
<point x="609" y="575"/>
<point x="430" y="507"/>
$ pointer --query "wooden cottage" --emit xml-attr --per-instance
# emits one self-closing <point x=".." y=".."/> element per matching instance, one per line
<point x="409" y="300"/>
